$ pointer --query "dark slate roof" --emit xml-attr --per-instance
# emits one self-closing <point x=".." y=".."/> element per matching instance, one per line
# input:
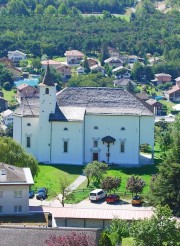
<point x="58" y="115"/>
<point x="102" y="100"/>
<point x="28" y="236"/>
<point x="13" y="174"/>
<point x="74" y="102"/>
<point x="124" y="82"/>
<point x="48" y="78"/>
<point x="28" y="107"/>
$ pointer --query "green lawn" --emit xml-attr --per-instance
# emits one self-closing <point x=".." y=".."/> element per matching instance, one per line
<point x="60" y="59"/>
<point x="127" y="241"/>
<point x="49" y="175"/>
<point x="9" y="95"/>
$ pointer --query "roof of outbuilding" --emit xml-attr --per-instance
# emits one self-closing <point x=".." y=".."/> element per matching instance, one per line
<point x="28" y="107"/>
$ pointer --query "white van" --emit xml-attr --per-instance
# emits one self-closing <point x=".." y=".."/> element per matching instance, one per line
<point x="97" y="195"/>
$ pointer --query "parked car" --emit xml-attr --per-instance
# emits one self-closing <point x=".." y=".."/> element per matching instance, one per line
<point x="97" y="195"/>
<point x="41" y="194"/>
<point x="137" y="201"/>
<point x="112" y="198"/>
<point x="31" y="194"/>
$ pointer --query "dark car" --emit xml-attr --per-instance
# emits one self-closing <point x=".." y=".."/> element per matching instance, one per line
<point x="112" y="198"/>
<point x="41" y="194"/>
<point x="137" y="201"/>
<point x="31" y="194"/>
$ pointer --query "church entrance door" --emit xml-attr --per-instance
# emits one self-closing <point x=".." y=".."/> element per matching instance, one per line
<point x="95" y="156"/>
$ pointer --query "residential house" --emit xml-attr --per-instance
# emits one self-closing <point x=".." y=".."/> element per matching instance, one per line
<point x="26" y="91"/>
<point x="7" y="117"/>
<point x="155" y="60"/>
<point x="174" y="93"/>
<point x="65" y="71"/>
<point x="113" y="52"/>
<point x="14" y="189"/>
<point x="156" y="106"/>
<point x="114" y="62"/>
<point x="80" y="70"/>
<point x="126" y="84"/>
<point x="92" y="62"/>
<point x="74" y="57"/>
<point x="121" y="72"/>
<point x="102" y="119"/>
<point x="161" y="78"/>
<point x="142" y="96"/>
<point x="3" y="104"/>
<point x="51" y="63"/>
<point x="132" y="59"/>
<point x="98" y="69"/>
<point x="16" y="56"/>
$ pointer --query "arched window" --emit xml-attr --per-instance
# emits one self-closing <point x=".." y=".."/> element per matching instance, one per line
<point x="65" y="129"/>
<point x="47" y="91"/>
<point x="122" y="128"/>
<point x="96" y="128"/>
<point x="28" y="124"/>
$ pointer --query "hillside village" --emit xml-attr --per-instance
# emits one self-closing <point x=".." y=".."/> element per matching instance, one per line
<point x="89" y="132"/>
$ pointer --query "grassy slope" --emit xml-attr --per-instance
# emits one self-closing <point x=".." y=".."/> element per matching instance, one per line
<point x="49" y="177"/>
<point x="9" y="95"/>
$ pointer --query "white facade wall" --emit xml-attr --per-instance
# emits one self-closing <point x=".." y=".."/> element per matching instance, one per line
<point x="147" y="130"/>
<point x="8" y="200"/>
<point x="47" y="106"/>
<point x="72" y="132"/>
<point x="111" y="125"/>
<point x="24" y="127"/>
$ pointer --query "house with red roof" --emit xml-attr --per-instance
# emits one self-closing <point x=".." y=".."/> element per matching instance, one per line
<point x="174" y="93"/>
<point x="74" y="57"/>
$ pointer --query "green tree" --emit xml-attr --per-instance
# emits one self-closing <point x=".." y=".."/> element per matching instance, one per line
<point x="118" y="230"/>
<point x="104" y="240"/>
<point x="159" y="230"/>
<point x="50" y="10"/>
<point x="85" y="65"/>
<point x="39" y="10"/>
<point x="62" y="9"/>
<point x="95" y="170"/>
<point x="111" y="183"/>
<point x="135" y="185"/>
<point x="12" y="153"/>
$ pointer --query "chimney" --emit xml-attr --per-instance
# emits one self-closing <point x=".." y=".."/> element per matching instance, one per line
<point x="3" y="175"/>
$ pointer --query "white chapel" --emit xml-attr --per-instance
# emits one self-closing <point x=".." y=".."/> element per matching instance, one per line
<point x="81" y="124"/>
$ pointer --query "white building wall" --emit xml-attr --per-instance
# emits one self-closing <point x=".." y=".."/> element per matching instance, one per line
<point x="74" y="136"/>
<point x="8" y="200"/>
<point x="147" y="130"/>
<point x="111" y="125"/>
<point x="47" y="106"/>
<point x="24" y="127"/>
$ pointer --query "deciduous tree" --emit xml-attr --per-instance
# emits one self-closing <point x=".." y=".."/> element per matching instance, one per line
<point x="135" y="185"/>
<point x="111" y="183"/>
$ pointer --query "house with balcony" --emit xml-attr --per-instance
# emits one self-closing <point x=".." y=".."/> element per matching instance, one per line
<point x="74" y="57"/>
<point x="121" y="72"/>
<point x="174" y="93"/>
<point x="155" y="106"/>
<point x="65" y="71"/>
<point x="114" y="62"/>
<point x="7" y="117"/>
<point x="26" y="91"/>
<point x="113" y="52"/>
<point x="14" y="189"/>
<point x="161" y="78"/>
<point x="97" y="69"/>
<point x="16" y="56"/>
<point x="51" y="63"/>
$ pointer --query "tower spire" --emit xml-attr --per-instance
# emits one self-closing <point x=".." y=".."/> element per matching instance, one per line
<point x="48" y="77"/>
